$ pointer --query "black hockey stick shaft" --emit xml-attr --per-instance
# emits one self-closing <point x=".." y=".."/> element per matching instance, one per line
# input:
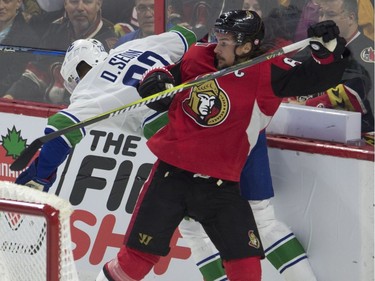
<point x="25" y="157"/>
<point x="34" y="51"/>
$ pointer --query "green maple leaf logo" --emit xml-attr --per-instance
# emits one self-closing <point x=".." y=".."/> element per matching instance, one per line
<point x="13" y="143"/>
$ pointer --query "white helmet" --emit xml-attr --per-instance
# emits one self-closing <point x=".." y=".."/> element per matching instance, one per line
<point x="90" y="51"/>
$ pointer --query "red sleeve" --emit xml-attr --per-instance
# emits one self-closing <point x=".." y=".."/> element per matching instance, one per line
<point x="320" y="101"/>
<point x="191" y="67"/>
<point x="340" y="97"/>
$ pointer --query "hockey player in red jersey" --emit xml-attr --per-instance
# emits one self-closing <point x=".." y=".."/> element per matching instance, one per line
<point x="202" y="150"/>
<point x="281" y="246"/>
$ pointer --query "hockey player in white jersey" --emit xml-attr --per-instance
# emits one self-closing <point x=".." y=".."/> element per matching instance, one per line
<point x="113" y="82"/>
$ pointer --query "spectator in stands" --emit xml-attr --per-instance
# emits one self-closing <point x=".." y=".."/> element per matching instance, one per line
<point x="122" y="28"/>
<point x="197" y="15"/>
<point x="202" y="16"/>
<point x="51" y="5"/>
<point x="42" y="81"/>
<point x="39" y="14"/>
<point x="30" y="8"/>
<point x="133" y="19"/>
<point x="117" y="10"/>
<point x="14" y="31"/>
<point x="145" y="17"/>
<point x="290" y="12"/>
<point x="309" y="16"/>
<point x="263" y="7"/>
<point x="120" y="13"/>
<point x="356" y="93"/>
<point x="277" y="31"/>
<point x="175" y="14"/>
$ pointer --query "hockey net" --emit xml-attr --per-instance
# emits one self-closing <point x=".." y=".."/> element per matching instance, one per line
<point x="35" y="240"/>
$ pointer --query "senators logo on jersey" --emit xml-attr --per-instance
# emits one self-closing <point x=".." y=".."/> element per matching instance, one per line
<point x="368" y="55"/>
<point x="208" y="105"/>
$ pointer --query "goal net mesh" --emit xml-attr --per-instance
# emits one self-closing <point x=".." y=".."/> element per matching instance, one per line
<point x="35" y="240"/>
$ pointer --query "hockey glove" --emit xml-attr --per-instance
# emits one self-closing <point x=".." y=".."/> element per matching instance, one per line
<point x="325" y="43"/>
<point x="154" y="81"/>
<point x="30" y="179"/>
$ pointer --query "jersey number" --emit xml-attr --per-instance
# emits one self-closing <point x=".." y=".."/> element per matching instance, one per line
<point x="134" y="73"/>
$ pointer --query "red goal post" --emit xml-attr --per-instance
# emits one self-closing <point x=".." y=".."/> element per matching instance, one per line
<point x="35" y="241"/>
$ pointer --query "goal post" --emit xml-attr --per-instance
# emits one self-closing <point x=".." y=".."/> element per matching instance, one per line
<point x="35" y="240"/>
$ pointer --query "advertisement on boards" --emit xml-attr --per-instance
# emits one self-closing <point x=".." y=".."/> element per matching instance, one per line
<point x="325" y="200"/>
<point x="101" y="178"/>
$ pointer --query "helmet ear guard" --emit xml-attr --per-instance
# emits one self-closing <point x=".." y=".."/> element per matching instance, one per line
<point x="91" y="51"/>
<point x="69" y="73"/>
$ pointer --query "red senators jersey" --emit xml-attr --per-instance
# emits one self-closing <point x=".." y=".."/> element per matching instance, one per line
<point x="213" y="126"/>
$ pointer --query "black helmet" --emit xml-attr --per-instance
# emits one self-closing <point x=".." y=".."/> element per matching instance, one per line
<point x="245" y="24"/>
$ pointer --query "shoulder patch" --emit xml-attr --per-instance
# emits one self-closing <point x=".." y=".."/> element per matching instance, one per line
<point x="368" y="54"/>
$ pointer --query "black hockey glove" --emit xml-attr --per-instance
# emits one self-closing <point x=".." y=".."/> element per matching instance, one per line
<point x="154" y="81"/>
<point x="325" y="43"/>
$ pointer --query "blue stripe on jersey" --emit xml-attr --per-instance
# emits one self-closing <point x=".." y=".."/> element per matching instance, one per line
<point x="76" y="120"/>
<point x="278" y="242"/>
<point x="183" y="39"/>
<point x="207" y="259"/>
<point x="281" y="270"/>
<point x="151" y="117"/>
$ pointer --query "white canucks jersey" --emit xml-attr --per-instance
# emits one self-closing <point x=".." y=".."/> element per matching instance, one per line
<point x="114" y="82"/>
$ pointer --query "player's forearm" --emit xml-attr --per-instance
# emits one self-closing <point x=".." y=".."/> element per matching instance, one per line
<point x="307" y="78"/>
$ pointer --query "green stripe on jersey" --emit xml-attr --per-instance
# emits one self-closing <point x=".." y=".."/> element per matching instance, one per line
<point x="213" y="270"/>
<point x="61" y="121"/>
<point x="155" y="125"/>
<point x="189" y="35"/>
<point x="285" y="253"/>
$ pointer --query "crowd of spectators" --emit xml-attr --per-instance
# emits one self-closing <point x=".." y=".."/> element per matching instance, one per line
<point x="40" y="80"/>
<point x="16" y="32"/>
<point x="55" y="24"/>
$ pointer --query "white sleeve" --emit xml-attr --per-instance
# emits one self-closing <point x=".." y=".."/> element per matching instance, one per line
<point x="113" y="83"/>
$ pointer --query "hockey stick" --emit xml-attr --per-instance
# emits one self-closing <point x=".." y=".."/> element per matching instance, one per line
<point x="25" y="157"/>
<point x="34" y="51"/>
